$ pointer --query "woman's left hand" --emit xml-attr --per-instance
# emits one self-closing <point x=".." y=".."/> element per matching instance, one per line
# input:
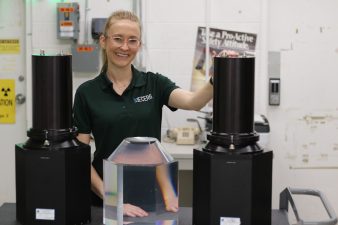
<point x="133" y="211"/>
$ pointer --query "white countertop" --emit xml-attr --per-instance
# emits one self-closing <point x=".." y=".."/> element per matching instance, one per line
<point x="182" y="153"/>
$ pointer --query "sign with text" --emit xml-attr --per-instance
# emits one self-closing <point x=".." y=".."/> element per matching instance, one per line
<point x="219" y="40"/>
<point x="9" y="46"/>
<point x="7" y="101"/>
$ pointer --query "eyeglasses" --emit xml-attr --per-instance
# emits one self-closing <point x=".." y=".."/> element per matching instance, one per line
<point x="119" y="41"/>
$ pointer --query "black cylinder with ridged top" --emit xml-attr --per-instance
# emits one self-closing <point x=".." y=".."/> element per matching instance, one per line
<point x="52" y="167"/>
<point x="232" y="173"/>
<point x="233" y="106"/>
<point x="52" y="92"/>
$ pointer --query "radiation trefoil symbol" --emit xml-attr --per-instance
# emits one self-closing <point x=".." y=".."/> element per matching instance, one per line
<point x="5" y="91"/>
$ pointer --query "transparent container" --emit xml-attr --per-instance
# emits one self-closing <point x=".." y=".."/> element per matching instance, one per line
<point x="140" y="173"/>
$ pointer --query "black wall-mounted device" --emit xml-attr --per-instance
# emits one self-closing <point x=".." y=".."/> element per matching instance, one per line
<point x="274" y="91"/>
<point x="98" y="27"/>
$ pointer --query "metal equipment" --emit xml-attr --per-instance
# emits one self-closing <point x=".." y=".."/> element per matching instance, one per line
<point x="68" y="20"/>
<point x="232" y="174"/>
<point x="52" y="166"/>
<point x="285" y="198"/>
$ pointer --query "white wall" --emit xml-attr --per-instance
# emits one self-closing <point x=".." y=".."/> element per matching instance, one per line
<point x="12" y="24"/>
<point x="171" y="35"/>
<point x="170" y="27"/>
<point x="303" y="127"/>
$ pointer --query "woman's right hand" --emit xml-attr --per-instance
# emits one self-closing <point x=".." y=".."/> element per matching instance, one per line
<point x="133" y="211"/>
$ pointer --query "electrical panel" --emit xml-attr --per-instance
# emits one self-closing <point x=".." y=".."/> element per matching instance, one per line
<point x="85" y="58"/>
<point x="68" y="17"/>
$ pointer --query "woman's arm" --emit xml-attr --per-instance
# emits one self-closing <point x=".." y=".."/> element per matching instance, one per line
<point x="183" y="99"/>
<point x="168" y="192"/>
<point x="96" y="181"/>
<point x="97" y="186"/>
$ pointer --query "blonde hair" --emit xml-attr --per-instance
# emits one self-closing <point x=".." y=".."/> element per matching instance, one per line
<point x="116" y="16"/>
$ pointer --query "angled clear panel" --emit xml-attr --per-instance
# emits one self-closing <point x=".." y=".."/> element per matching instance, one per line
<point x="140" y="173"/>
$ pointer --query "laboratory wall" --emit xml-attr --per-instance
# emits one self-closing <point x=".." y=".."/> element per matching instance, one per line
<point x="169" y="35"/>
<point x="301" y="35"/>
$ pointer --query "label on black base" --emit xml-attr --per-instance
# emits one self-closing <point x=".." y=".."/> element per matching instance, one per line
<point x="45" y="214"/>
<point x="230" y="221"/>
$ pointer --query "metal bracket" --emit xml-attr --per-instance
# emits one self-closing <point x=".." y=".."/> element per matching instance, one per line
<point x="285" y="198"/>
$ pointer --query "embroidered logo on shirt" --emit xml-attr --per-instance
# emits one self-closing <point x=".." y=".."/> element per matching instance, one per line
<point x="144" y="98"/>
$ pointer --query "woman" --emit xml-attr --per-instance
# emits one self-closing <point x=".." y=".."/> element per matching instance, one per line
<point x="124" y="102"/>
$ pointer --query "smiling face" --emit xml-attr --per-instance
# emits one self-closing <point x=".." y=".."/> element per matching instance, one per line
<point x="117" y="42"/>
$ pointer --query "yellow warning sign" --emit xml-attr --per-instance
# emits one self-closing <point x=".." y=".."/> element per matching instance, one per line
<point x="7" y="101"/>
<point x="9" y="46"/>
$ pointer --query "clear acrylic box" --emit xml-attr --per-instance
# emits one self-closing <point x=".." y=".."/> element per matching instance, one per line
<point x="141" y="173"/>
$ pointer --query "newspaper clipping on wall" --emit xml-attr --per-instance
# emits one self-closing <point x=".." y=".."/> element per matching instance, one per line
<point x="219" y="40"/>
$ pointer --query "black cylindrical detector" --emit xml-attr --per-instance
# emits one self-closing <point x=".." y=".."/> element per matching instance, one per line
<point x="234" y="83"/>
<point x="52" y="92"/>
<point x="52" y="167"/>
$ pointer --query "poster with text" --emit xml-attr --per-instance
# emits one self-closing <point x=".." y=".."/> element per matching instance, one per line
<point x="219" y="40"/>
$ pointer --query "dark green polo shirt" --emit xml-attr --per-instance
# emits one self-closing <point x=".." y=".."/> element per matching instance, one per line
<point x="111" y="118"/>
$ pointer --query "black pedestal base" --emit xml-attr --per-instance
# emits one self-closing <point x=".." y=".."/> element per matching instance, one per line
<point x="232" y="185"/>
<point x="53" y="186"/>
